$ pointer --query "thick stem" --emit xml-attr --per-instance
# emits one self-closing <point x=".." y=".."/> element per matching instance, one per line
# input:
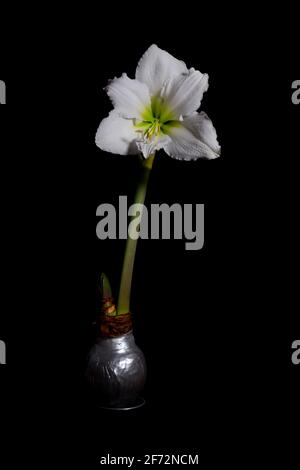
<point x="130" y="250"/>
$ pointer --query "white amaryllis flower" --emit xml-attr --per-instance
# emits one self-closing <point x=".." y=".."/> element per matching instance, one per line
<point x="158" y="110"/>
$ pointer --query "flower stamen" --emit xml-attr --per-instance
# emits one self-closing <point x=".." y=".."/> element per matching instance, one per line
<point x="153" y="130"/>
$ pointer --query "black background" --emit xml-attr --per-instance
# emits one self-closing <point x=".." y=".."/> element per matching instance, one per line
<point x="216" y="326"/>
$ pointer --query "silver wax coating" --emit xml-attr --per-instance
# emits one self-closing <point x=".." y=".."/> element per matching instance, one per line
<point x="116" y="371"/>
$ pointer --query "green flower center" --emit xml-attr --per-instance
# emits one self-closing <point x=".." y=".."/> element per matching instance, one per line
<point x="157" y="119"/>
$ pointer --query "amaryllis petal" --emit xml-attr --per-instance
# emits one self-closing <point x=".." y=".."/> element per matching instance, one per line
<point x="202" y="128"/>
<point x="156" y="67"/>
<point x="148" y="148"/>
<point x="129" y="97"/>
<point x="184" y="93"/>
<point x="117" y="135"/>
<point x="183" y="145"/>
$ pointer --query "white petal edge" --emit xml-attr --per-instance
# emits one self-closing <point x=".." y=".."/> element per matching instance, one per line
<point x="183" y="95"/>
<point x="147" y="148"/>
<point x="202" y="128"/>
<point x="183" y="145"/>
<point x="129" y="97"/>
<point x="158" y="66"/>
<point x="117" y="135"/>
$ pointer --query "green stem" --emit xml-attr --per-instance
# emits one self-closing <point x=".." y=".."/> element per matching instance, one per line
<point x="130" y="250"/>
